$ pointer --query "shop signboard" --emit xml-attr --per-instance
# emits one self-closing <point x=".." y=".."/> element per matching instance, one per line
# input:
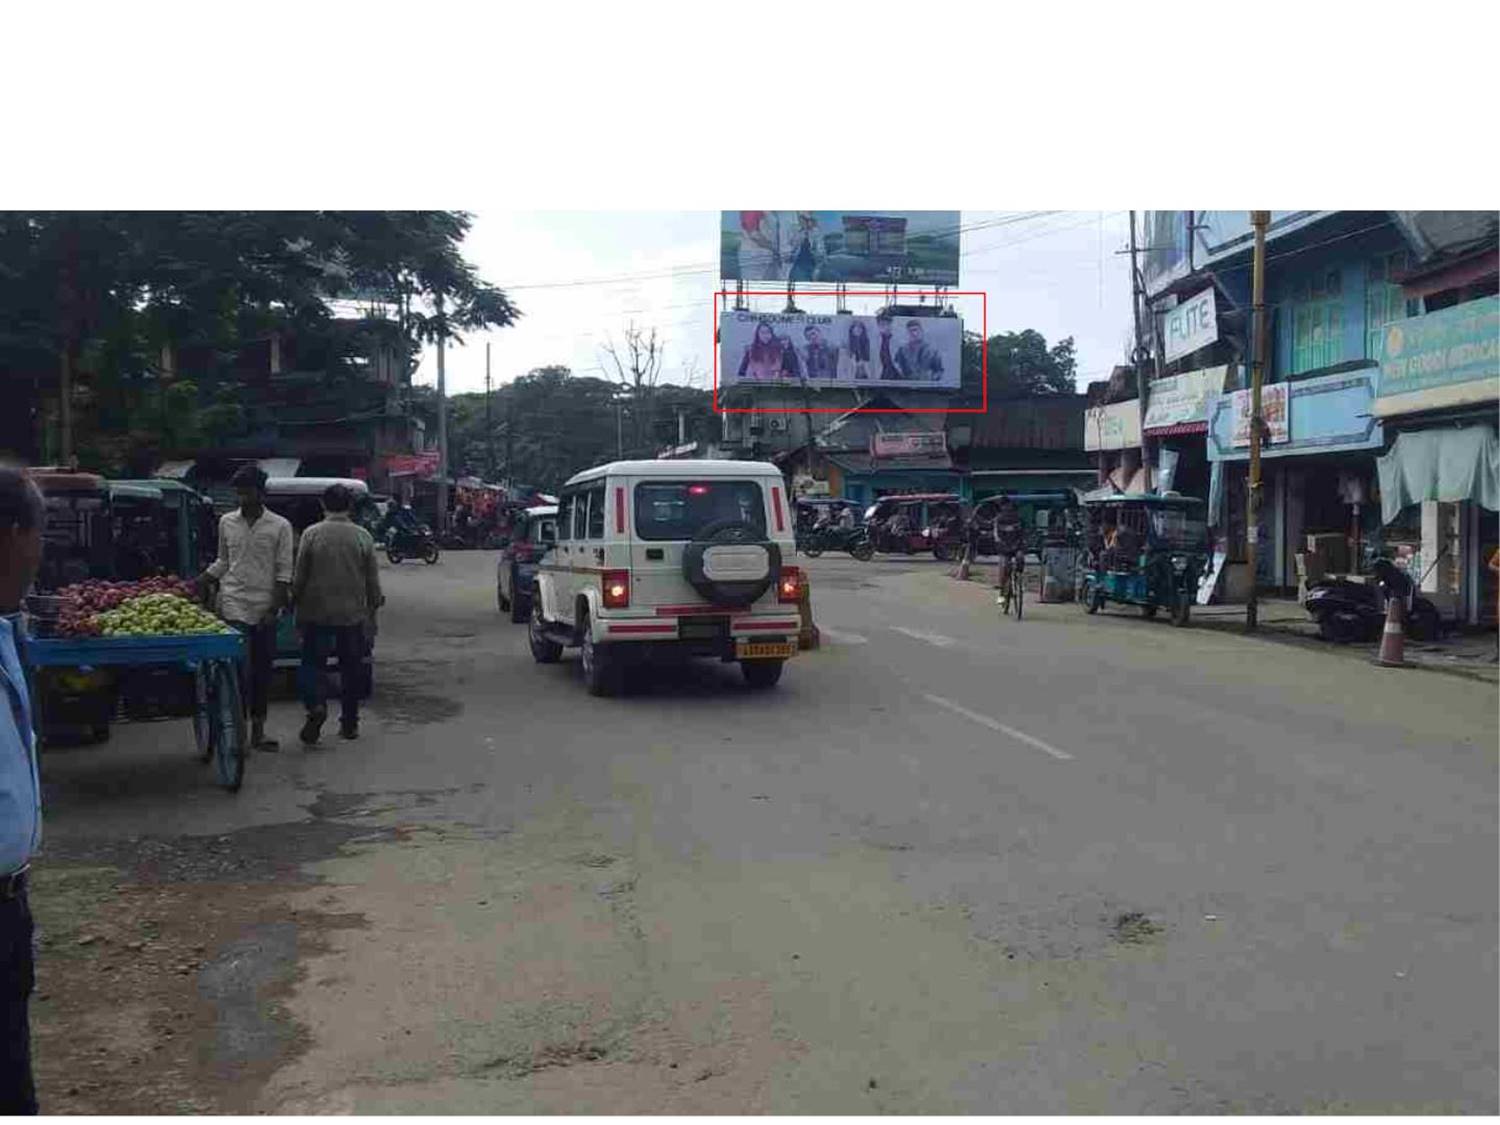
<point x="872" y="247"/>
<point x="1328" y="414"/>
<point x="1191" y="325"/>
<point x="1446" y="358"/>
<point x="806" y="349"/>
<point x="1183" y="400"/>
<point x="1116" y="425"/>
<point x="909" y="444"/>
<point x="422" y="465"/>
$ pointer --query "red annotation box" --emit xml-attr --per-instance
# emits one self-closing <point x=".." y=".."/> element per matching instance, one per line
<point x="984" y="361"/>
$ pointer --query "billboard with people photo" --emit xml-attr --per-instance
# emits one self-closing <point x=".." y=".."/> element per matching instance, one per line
<point x="882" y="247"/>
<point x="839" y="350"/>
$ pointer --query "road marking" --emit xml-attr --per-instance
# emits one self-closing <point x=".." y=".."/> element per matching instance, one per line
<point x="931" y="638"/>
<point x="995" y="724"/>
<point x="839" y="637"/>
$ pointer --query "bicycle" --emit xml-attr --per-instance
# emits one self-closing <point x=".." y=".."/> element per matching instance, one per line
<point x="1012" y="595"/>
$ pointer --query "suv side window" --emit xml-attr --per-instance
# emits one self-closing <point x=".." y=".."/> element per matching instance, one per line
<point x="580" y="514"/>
<point x="565" y="517"/>
<point x="596" y="512"/>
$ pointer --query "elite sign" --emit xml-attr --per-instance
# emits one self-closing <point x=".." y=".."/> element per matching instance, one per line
<point x="1191" y="325"/>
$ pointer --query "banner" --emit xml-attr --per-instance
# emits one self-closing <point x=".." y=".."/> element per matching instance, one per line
<point x="419" y="464"/>
<point x="1180" y="400"/>
<point x="804" y="349"/>
<point x="1191" y="325"/>
<point x="1116" y="425"/>
<point x="923" y="443"/>
<point x="910" y="247"/>
<point x="1273" y="408"/>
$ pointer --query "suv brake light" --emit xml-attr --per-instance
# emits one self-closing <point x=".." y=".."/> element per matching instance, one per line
<point x="616" y="589"/>
<point x="789" y="587"/>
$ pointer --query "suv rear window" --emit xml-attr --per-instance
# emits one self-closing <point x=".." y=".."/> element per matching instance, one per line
<point x="681" y="509"/>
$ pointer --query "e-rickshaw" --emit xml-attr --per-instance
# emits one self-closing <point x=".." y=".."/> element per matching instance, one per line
<point x="928" y="515"/>
<point x="1144" y="550"/>
<point x="191" y="528"/>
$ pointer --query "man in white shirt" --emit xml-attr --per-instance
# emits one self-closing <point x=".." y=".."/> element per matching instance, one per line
<point x="254" y="577"/>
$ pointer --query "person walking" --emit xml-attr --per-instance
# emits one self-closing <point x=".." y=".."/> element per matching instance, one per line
<point x="336" y="592"/>
<point x="253" y="574"/>
<point x="22" y="515"/>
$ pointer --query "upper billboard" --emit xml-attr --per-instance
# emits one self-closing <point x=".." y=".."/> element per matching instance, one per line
<point x="839" y="350"/>
<point x="886" y="247"/>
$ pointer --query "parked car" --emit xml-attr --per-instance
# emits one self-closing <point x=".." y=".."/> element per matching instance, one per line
<point x="664" y="559"/>
<point x="533" y="534"/>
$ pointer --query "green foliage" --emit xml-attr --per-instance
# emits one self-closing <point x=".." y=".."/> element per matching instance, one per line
<point x="1020" y="364"/>
<point x="110" y="289"/>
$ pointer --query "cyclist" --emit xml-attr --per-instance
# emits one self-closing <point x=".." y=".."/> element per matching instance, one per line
<point x="1009" y="545"/>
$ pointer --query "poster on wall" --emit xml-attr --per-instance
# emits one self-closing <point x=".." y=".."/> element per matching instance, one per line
<point x="1273" y="408"/>
<point x="908" y="247"/>
<point x="800" y="349"/>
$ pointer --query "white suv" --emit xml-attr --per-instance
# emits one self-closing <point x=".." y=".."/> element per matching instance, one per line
<point x="670" y="558"/>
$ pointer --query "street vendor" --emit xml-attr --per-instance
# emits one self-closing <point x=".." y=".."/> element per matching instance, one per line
<point x="253" y="573"/>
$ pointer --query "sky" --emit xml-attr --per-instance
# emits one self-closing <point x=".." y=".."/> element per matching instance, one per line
<point x="581" y="278"/>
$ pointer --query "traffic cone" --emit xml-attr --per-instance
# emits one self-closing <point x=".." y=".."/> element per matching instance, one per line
<point x="963" y="564"/>
<point x="1393" y="637"/>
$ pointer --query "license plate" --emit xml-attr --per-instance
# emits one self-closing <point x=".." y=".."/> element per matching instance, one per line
<point x="765" y="650"/>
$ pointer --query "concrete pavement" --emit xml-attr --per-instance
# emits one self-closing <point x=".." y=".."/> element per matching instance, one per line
<point x="954" y="863"/>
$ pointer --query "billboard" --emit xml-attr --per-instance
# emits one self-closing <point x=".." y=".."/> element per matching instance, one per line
<point x="805" y="349"/>
<point x="909" y="247"/>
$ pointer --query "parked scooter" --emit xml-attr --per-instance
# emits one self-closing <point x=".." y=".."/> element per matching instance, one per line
<point x="1351" y="611"/>
<point x="403" y="543"/>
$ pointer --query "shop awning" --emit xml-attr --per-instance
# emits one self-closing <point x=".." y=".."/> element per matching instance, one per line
<point x="280" y="466"/>
<point x="174" y="470"/>
<point x="1462" y="463"/>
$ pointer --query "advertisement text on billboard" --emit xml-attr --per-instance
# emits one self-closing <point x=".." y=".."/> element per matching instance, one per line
<point x="839" y="350"/>
<point x="911" y="247"/>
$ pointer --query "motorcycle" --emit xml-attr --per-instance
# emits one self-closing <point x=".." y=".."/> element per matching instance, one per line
<point x="1351" y="611"/>
<point x="405" y="543"/>
<point x="855" y="540"/>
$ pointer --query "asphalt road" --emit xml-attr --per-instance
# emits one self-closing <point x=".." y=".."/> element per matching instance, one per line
<point x="953" y="864"/>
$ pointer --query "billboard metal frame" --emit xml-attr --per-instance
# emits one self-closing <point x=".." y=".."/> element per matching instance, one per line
<point x="943" y="295"/>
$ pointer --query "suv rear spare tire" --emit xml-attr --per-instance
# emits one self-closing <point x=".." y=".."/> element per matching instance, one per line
<point x="731" y="563"/>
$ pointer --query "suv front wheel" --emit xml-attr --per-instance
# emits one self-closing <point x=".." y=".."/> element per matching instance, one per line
<point x="601" y="669"/>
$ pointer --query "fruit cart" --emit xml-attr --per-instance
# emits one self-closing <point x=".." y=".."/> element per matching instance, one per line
<point x="211" y="659"/>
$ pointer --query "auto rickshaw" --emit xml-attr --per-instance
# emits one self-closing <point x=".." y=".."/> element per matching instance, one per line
<point x="1144" y="550"/>
<point x="191" y="528"/>
<point x="1047" y="515"/>
<point x="927" y="514"/>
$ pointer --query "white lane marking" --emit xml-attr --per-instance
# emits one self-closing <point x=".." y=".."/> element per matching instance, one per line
<point x="931" y="638"/>
<point x="994" y="724"/>
<point x="839" y="637"/>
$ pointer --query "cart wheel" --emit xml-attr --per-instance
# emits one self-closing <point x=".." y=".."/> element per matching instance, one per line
<point x="227" y="715"/>
<point x="203" y="726"/>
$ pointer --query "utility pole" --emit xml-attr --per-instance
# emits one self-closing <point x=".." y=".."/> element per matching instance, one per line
<point x="489" y="421"/>
<point x="681" y="427"/>
<point x="442" y="413"/>
<point x="619" y="431"/>
<point x="1138" y="357"/>
<point x="1258" y="220"/>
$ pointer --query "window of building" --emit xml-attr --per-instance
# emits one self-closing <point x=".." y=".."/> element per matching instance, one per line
<point x="1384" y="300"/>
<point x="1317" y="322"/>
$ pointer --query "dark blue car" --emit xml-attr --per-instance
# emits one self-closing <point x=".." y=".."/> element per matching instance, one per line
<point x="534" y="534"/>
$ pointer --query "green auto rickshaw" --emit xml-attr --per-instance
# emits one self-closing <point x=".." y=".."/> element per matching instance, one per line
<point x="1144" y="550"/>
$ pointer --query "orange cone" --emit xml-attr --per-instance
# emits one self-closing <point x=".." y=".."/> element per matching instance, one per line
<point x="1393" y="638"/>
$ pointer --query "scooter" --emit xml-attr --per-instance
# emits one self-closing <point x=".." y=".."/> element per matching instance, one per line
<point x="419" y="544"/>
<point x="1351" y="611"/>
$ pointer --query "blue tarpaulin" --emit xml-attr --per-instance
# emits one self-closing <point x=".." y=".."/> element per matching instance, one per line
<point x="1462" y="463"/>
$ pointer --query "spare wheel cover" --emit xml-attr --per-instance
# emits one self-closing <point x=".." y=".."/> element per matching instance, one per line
<point x="724" y="543"/>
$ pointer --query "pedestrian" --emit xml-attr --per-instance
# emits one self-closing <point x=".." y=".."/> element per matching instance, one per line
<point x="21" y="518"/>
<point x="253" y="574"/>
<point x="336" y="592"/>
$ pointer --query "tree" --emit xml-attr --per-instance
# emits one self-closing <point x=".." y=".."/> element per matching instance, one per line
<point x="637" y="371"/>
<point x="103" y="299"/>
<point x="1020" y="364"/>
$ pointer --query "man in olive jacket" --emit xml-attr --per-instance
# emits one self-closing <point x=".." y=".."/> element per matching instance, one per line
<point x="336" y="592"/>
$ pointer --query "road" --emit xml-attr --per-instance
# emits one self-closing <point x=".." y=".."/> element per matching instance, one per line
<point x="953" y="864"/>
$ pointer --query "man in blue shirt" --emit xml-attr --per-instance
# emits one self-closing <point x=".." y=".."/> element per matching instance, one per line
<point x="22" y="515"/>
